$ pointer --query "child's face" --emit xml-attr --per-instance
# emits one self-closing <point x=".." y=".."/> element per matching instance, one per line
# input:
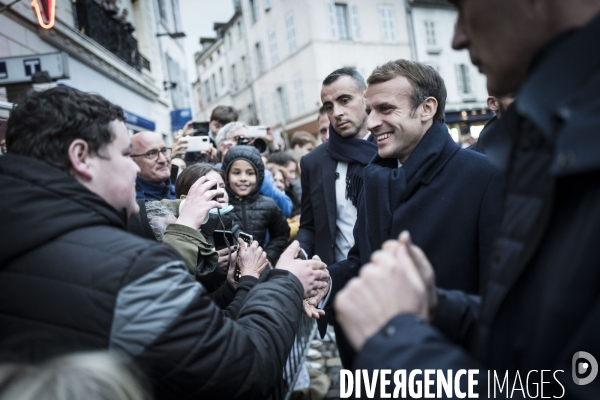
<point x="217" y="177"/>
<point x="279" y="182"/>
<point x="242" y="178"/>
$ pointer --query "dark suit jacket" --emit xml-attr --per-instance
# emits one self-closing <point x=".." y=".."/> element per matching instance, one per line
<point x="542" y="302"/>
<point x="452" y="214"/>
<point x="319" y="211"/>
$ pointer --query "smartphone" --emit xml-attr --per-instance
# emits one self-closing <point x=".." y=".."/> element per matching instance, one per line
<point x="220" y="242"/>
<point x="197" y="143"/>
<point x="200" y="128"/>
<point x="246" y="238"/>
<point x="174" y="173"/>
<point x="257" y="131"/>
<point x="218" y="196"/>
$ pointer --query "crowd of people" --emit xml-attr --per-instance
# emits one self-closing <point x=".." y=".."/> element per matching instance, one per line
<point x="196" y="267"/>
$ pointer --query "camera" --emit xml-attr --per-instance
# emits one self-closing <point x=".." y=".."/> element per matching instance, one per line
<point x="260" y="144"/>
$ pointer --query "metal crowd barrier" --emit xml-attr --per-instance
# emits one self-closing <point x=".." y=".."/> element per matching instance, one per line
<point x="291" y="371"/>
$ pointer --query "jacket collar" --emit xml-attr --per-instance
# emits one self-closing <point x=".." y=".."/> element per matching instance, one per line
<point x="557" y="98"/>
<point x="436" y="145"/>
<point x="152" y="190"/>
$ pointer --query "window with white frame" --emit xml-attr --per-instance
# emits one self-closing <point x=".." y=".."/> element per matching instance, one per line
<point x="283" y="102"/>
<point x="430" y="32"/>
<point x="176" y="15"/>
<point x="162" y="10"/>
<point x="276" y="107"/>
<point x="251" y="117"/>
<point x="222" y="76"/>
<point x="386" y="16"/>
<point x="332" y="21"/>
<point x="355" y="22"/>
<point x="273" y="47"/>
<point x="299" y="95"/>
<point x="260" y="59"/>
<point x="291" y="32"/>
<point x="245" y="69"/>
<point x="254" y="10"/>
<point x="344" y="21"/>
<point x="264" y="108"/>
<point x="214" y="85"/>
<point x="463" y="79"/>
<point x="341" y="17"/>
<point x="234" y="76"/>
<point x="207" y="91"/>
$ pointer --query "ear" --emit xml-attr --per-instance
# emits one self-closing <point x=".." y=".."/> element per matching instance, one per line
<point x="182" y="197"/>
<point x="79" y="156"/>
<point x="492" y="103"/>
<point x="430" y="106"/>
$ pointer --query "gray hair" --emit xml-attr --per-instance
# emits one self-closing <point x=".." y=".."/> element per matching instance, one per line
<point x="90" y="376"/>
<point x="159" y="217"/>
<point x="230" y="127"/>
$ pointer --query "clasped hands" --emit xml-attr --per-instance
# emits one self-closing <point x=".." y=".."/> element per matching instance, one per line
<point x="312" y="274"/>
<point x="398" y="280"/>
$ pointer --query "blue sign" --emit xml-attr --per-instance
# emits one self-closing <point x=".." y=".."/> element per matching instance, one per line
<point x="3" y="71"/>
<point x="32" y="65"/>
<point x="180" y="117"/>
<point x="139" y="121"/>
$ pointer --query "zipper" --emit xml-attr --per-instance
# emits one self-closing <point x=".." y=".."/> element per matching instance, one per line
<point x="244" y="219"/>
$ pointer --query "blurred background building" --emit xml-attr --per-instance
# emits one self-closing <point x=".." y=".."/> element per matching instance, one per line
<point x="431" y="27"/>
<point x="269" y="59"/>
<point x="126" y="50"/>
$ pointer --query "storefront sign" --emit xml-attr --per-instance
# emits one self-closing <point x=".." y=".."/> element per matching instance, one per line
<point x="45" y="11"/>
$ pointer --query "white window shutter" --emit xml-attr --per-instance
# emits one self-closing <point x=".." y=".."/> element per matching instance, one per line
<point x="354" y="22"/>
<point x="333" y="21"/>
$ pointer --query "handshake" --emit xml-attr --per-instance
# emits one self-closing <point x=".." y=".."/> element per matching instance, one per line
<point x="312" y="274"/>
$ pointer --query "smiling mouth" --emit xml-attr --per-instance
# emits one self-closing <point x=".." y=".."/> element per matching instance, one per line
<point x="383" y="137"/>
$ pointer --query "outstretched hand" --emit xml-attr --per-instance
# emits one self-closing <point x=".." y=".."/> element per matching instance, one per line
<point x="252" y="260"/>
<point x="309" y="306"/>
<point x="312" y="274"/>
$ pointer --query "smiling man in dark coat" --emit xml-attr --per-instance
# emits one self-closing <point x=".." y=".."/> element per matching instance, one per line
<point x="541" y="306"/>
<point x="421" y="181"/>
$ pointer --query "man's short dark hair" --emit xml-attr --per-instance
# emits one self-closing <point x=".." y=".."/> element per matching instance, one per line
<point x="281" y="158"/>
<point x="351" y="72"/>
<point x="425" y="80"/>
<point x="44" y="124"/>
<point x="224" y="114"/>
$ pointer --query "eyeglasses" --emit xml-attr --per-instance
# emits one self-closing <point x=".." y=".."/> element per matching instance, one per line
<point x="153" y="154"/>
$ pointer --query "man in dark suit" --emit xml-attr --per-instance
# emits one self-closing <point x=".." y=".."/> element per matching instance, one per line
<point x="541" y="309"/>
<point x="332" y="173"/>
<point x="421" y="181"/>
